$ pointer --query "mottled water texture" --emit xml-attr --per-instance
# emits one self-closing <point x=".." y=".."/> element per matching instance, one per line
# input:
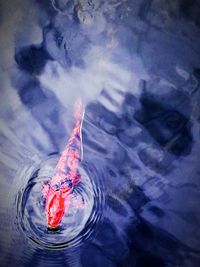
<point x="136" y="64"/>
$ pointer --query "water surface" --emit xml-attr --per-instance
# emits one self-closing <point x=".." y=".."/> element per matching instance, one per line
<point x="136" y="64"/>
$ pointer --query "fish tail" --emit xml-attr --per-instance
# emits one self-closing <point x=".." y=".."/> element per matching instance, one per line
<point x="79" y="110"/>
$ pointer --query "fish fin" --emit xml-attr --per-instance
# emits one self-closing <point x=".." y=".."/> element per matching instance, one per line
<point x="79" y="110"/>
<point x="68" y="199"/>
<point x="77" y="202"/>
<point x="77" y="178"/>
<point x="45" y="189"/>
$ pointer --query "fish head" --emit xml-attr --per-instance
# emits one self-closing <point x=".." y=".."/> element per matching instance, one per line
<point x="55" y="208"/>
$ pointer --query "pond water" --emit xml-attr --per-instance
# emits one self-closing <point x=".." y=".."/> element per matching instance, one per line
<point x="136" y="65"/>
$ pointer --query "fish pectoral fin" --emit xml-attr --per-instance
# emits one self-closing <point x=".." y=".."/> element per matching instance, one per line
<point x="45" y="189"/>
<point x="68" y="200"/>
<point x="77" y="202"/>
<point x="76" y="178"/>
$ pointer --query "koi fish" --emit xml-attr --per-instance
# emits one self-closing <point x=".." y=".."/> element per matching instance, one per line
<point x="58" y="193"/>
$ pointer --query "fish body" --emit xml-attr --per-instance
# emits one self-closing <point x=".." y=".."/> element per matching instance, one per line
<point x="59" y="192"/>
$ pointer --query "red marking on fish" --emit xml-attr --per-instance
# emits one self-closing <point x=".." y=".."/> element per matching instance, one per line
<point x="59" y="192"/>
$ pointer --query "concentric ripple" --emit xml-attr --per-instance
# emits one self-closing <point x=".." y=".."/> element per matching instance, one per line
<point x="79" y="222"/>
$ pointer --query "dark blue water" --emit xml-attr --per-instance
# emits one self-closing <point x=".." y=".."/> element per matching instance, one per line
<point x="136" y="65"/>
